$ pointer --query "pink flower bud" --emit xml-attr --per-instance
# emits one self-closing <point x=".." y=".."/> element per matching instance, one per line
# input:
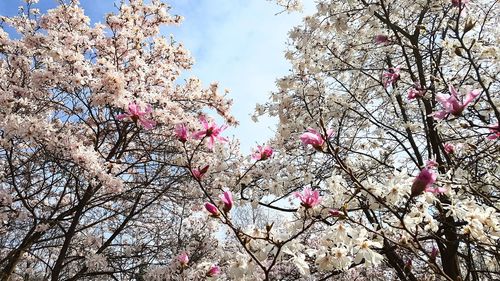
<point x="458" y="3"/>
<point x="423" y="181"/>
<point x="227" y="199"/>
<point x="183" y="259"/>
<point x="198" y="174"/>
<point x="416" y="92"/>
<point x="381" y="39"/>
<point x="494" y="131"/>
<point x="214" y="271"/>
<point x="314" y="138"/>
<point x="434" y="253"/>
<point x="449" y="148"/>
<point x="335" y="213"/>
<point x="391" y="76"/>
<point x="262" y="153"/>
<point x="212" y="209"/>
<point x="181" y="132"/>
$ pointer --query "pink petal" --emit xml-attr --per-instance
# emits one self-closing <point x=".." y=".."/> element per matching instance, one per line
<point x="471" y="96"/>
<point x="122" y="116"/>
<point x="453" y="91"/>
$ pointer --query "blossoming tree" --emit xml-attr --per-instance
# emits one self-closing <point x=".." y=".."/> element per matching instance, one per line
<point x="93" y="182"/>
<point x="395" y="104"/>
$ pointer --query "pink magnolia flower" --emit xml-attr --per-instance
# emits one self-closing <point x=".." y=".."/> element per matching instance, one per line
<point x="335" y="212"/>
<point x="183" y="259"/>
<point x="211" y="131"/>
<point x="136" y="114"/>
<point x="314" y="138"/>
<point x="451" y="103"/>
<point x="458" y="3"/>
<point x="262" y="153"/>
<point x="308" y="197"/>
<point x="391" y="76"/>
<point x="494" y="131"/>
<point x="416" y="92"/>
<point x="212" y="209"/>
<point x="181" y="132"/>
<point x="214" y="271"/>
<point x="449" y="148"/>
<point x="381" y="39"/>
<point x="227" y="199"/>
<point x="198" y="174"/>
<point x="434" y="253"/>
<point x="423" y="182"/>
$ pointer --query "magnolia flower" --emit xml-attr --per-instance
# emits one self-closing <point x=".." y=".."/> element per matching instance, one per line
<point x="381" y="39"/>
<point x="335" y="212"/>
<point x="227" y="199"/>
<point x="449" y="148"/>
<point x="210" y="131"/>
<point x="415" y="92"/>
<point x="391" y="76"/>
<point x="212" y="209"/>
<point x="181" y="132"/>
<point x="494" y="132"/>
<point x="183" y="259"/>
<point x="458" y="3"/>
<point x="262" y="153"/>
<point x="314" y="138"/>
<point x="434" y="254"/>
<point x="451" y="104"/>
<point x="136" y="114"/>
<point x="198" y="174"/>
<point x="308" y="197"/>
<point x="364" y="251"/>
<point x="423" y="182"/>
<point x="214" y="271"/>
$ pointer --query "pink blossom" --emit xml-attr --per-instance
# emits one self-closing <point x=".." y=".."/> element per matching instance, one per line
<point x="335" y="212"/>
<point x="212" y="209"/>
<point x="314" y="138"/>
<point x="458" y="3"/>
<point x="198" y="174"/>
<point x="262" y="153"/>
<point x="494" y="132"/>
<point x="183" y="259"/>
<point x="308" y="197"/>
<point x="227" y="199"/>
<point x="434" y="253"/>
<point x="415" y="92"/>
<point x="451" y="103"/>
<point x="423" y="182"/>
<point x="449" y="148"/>
<point x="211" y="131"/>
<point x="214" y="271"/>
<point x="381" y="39"/>
<point x="136" y="114"/>
<point x="181" y="132"/>
<point x="391" y="76"/>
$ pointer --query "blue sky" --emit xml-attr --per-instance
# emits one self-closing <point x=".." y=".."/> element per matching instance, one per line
<point x="238" y="43"/>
